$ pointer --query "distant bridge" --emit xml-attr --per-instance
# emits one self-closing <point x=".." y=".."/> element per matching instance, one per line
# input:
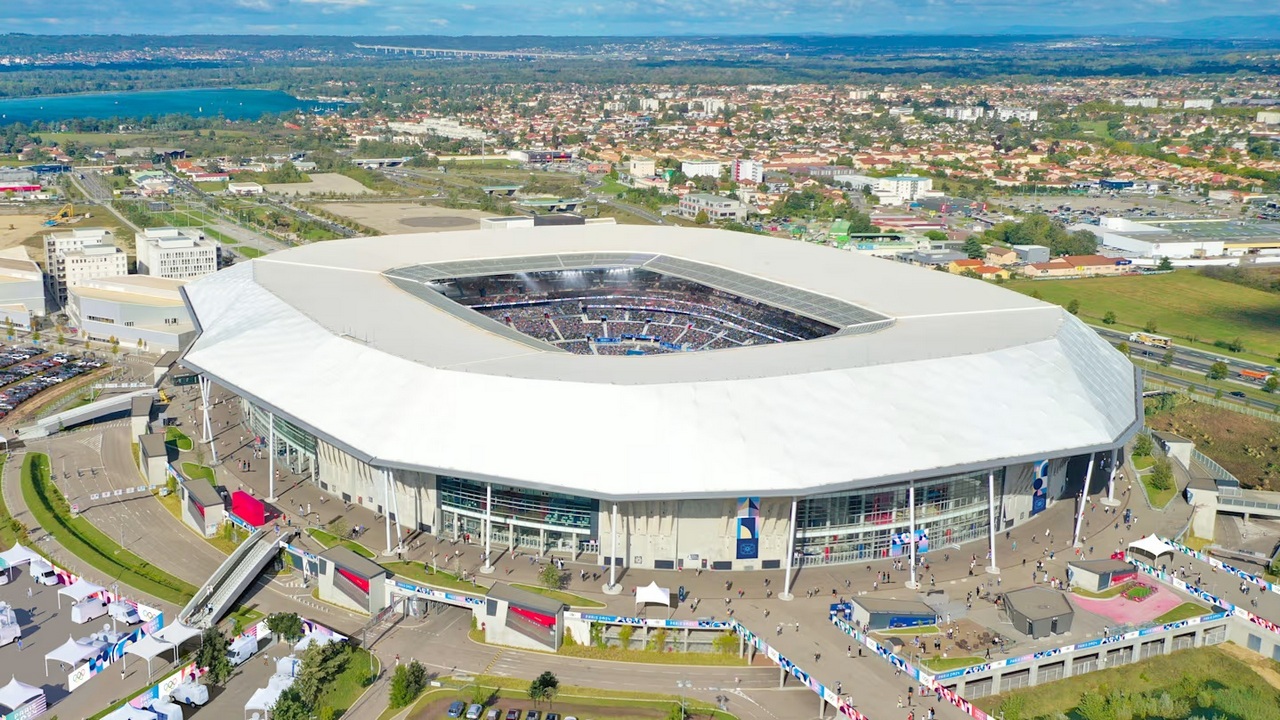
<point x="454" y="52"/>
<point x="372" y="163"/>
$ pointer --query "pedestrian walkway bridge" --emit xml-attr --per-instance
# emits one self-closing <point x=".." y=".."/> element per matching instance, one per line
<point x="232" y="578"/>
<point x="106" y="407"/>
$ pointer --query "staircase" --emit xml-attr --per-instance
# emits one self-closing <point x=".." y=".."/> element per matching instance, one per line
<point x="232" y="578"/>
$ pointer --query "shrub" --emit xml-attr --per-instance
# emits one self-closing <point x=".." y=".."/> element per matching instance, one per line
<point x="407" y="682"/>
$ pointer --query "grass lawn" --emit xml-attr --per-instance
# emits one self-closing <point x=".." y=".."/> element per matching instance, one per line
<point x="1193" y="309"/>
<point x="1158" y="498"/>
<point x="1143" y="462"/>
<point x="1182" y="612"/>
<point x="440" y="578"/>
<point x="221" y="237"/>
<point x="1244" y="445"/>
<point x="515" y="689"/>
<point x="250" y="252"/>
<point x="329" y="540"/>
<point x="941" y="665"/>
<point x="196" y="471"/>
<point x="212" y="186"/>
<point x="1213" y="671"/>
<point x="1108" y="593"/>
<point x="350" y="684"/>
<point x="1138" y="592"/>
<point x="242" y="616"/>
<point x="177" y="438"/>
<point x="89" y="544"/>
<point x="617" y="654"/>
<point x="8" y="530"/>
<point x="565" y="597"/>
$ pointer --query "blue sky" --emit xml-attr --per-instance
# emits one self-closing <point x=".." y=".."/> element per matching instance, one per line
<point x="591" y="17"/>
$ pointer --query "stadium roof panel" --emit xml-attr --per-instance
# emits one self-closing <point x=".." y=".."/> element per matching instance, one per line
<point x="321" y="334"/>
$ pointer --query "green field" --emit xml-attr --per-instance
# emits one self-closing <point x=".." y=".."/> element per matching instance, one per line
<point x="328" y="540"/>
<point x="250" y="252"/>
<point x="177" y="438"/>
<point x="195" y="470"/>
<point x="1192" y="309"/>
<point x="567" y="598"/>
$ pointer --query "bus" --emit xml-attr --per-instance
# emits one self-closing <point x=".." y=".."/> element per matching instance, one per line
<point x="1152" y="340"/>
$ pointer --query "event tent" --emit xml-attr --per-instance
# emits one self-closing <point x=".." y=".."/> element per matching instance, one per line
<point x="651" y="593"/>
<point x="149" y="647"/>
<point x="1150" y="549"/>
<point x="16" y="694"/>
<point x="176" y="633"/>
<point x="69" y="652"/>
<point x="265" y="698"/>
<point x="313" y="639"/>
<point x="17" y="555"/>
<point x="79" y="590"/>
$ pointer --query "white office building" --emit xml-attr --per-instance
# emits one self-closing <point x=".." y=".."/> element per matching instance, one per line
<point x="21" y="292"/>
<point x="715" y="206"/>
<point x="176" y="253"/>
<point x="641" y="167"/>
<point x="748" y="171"/>
<point x="906" y="188"/>
<point x="74" y="256"/>
<point x="963" y="113"/>
<point x="141" y="312"/>
<point x="700" y="168"/>
<point x="1006" y="113"/>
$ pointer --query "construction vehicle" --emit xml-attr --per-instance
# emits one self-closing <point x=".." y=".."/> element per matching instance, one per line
<point x="1152" y="340"/>
<point x="64" y="216"/>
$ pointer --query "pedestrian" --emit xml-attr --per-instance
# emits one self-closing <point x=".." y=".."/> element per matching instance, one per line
<point x="899" y="701"/>
<point x="28" y="593"/>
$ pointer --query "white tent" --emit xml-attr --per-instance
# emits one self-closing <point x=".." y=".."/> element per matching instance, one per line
<point x="70" y="652"/>
<point x="17" y="555"/>
<point x="651" y="593"/>
<point x="147" y="648"/>
<point x="16" y="694"/>
<point x="1150" y="548"/>
<point x="177" y="634"/>
<point x="79" y="590"/>
<point x="313" y="639"/>
<point x="265" y="698"/>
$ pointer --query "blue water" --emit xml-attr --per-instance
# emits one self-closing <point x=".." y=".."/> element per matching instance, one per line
<point x="205" y="102"/>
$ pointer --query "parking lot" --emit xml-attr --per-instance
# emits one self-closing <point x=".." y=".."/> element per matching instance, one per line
<point x="26" y="371"/>
<point x="45" y="627"/>
<point x="1082" y="208"/>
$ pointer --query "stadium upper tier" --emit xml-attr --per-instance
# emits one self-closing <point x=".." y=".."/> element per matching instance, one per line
<point x="919" y="373"/>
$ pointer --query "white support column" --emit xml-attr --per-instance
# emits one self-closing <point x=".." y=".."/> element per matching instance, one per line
<point x="1084" y="501"/>
<point x="993" y="567"/>
<point x="386" y="505"/>
<point x="1110" y="500"/>
<point x="206" y="390"/>
<point x="791" y="551"/>
<point x="488" y="528"/>
<point x="395" y="503"/>
<point x="912" y="583"/>
<point x="612" y="588"/>
<point x="271" y="456"/>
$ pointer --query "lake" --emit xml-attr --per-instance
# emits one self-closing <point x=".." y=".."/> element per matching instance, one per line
<point x="234" y="104"/>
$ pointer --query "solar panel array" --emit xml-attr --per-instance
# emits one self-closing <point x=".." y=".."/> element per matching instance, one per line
<point x="802" y="302"/>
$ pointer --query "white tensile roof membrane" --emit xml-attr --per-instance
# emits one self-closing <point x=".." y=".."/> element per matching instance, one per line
<point x="963" y="375"/>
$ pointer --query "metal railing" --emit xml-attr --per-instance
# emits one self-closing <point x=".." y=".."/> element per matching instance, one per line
<point x="1215" y="470"/>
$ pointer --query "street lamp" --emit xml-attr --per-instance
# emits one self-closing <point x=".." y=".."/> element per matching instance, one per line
<point x="683" y="685"/>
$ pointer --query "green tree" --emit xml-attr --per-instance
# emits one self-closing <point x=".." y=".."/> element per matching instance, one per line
<point x="1151" y="326"/>
<point x="974" y="249"/>
<point x="1218" y="371"/>
<point x="701" y="218"/>
<point x="1161" y="477"/>
<point x="1073" y="307"/>
<point x="407" y="682"/>
<point x="550" y="576"/>
<point x="936" y="236"/>
<point x="1123" y="348"/>
<point x="1109" y="318"/>
<point x="8" y="326"/>
<point x="213" y="655"/>
<point x="1271" y="385"/>
<point x="1167" y="359"/>
<point x="1165" y="263"/>
<point x="547" y="685"/>
<point x="291" y="706"/>
<point x="1142" y="446"/>
<point x="286" y="625"/>
<point x="321" y="665"/>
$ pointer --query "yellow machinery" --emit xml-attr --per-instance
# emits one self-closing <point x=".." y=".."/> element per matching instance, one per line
<point x="66" y="215"/>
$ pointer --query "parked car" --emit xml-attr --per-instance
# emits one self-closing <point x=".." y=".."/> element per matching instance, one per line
<point x="474" y="712"/>
<point x="513" y="715"/>
<point x="456" y="708"/>
<point x="533" y="715"/>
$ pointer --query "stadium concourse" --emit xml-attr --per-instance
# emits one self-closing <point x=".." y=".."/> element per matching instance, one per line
<point x="759" y="403"/>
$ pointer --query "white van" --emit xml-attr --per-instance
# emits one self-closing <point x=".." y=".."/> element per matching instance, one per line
<point x="242" y="649"/>
<point x="43" y="573"/>
<point x="88" y="609"/>
<point x="124" y="612"/>
<point x="190" y="693"/>
<point x="165" y="710"/>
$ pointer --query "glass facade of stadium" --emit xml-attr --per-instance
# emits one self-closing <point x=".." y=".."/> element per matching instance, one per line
<point x="875" y="522"/>
<point x="521" y="517"/>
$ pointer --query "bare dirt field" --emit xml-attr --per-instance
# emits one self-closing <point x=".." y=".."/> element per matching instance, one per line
<point x="321" y="183"/>
<point x="16" y="228"/>
<point x="393" y="218"/>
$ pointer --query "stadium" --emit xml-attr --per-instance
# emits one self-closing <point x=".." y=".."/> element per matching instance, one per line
<point x="694" y="398"/>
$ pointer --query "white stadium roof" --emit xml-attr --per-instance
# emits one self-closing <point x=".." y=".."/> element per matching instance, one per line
<point x="963" y="375"/>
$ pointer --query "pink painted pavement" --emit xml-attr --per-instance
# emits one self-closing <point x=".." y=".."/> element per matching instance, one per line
<point x="1128" y="612"/>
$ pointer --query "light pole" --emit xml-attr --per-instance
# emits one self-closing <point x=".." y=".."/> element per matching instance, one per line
<point x="683" y="685"/>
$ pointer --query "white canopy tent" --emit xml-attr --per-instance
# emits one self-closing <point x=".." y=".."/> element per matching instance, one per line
<point x="147" y="648"/>
<point x="651" y="594"/>
<point x="176" y="634"/>
<point x="1150" y="548"/>
<point x="79" y="590"/>
<point x="70" y="652"/>
<point x="313" y="639"/>
<point x="265" y="698"/>
<point x="16" y="694"/>
<point x="17" y="555"/>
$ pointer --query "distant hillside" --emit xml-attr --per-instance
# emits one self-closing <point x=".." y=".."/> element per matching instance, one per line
<point x="1231" y="27"/>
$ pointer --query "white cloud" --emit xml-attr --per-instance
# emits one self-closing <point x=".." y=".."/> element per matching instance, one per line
<point x="438" y="22"/>
<point x="254" y="4"/>
<point x="336" y="3"/>
<point x="467" y="7"/>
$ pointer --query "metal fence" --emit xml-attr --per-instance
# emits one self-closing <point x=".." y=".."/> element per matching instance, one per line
<point x="1196" y="397"/>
